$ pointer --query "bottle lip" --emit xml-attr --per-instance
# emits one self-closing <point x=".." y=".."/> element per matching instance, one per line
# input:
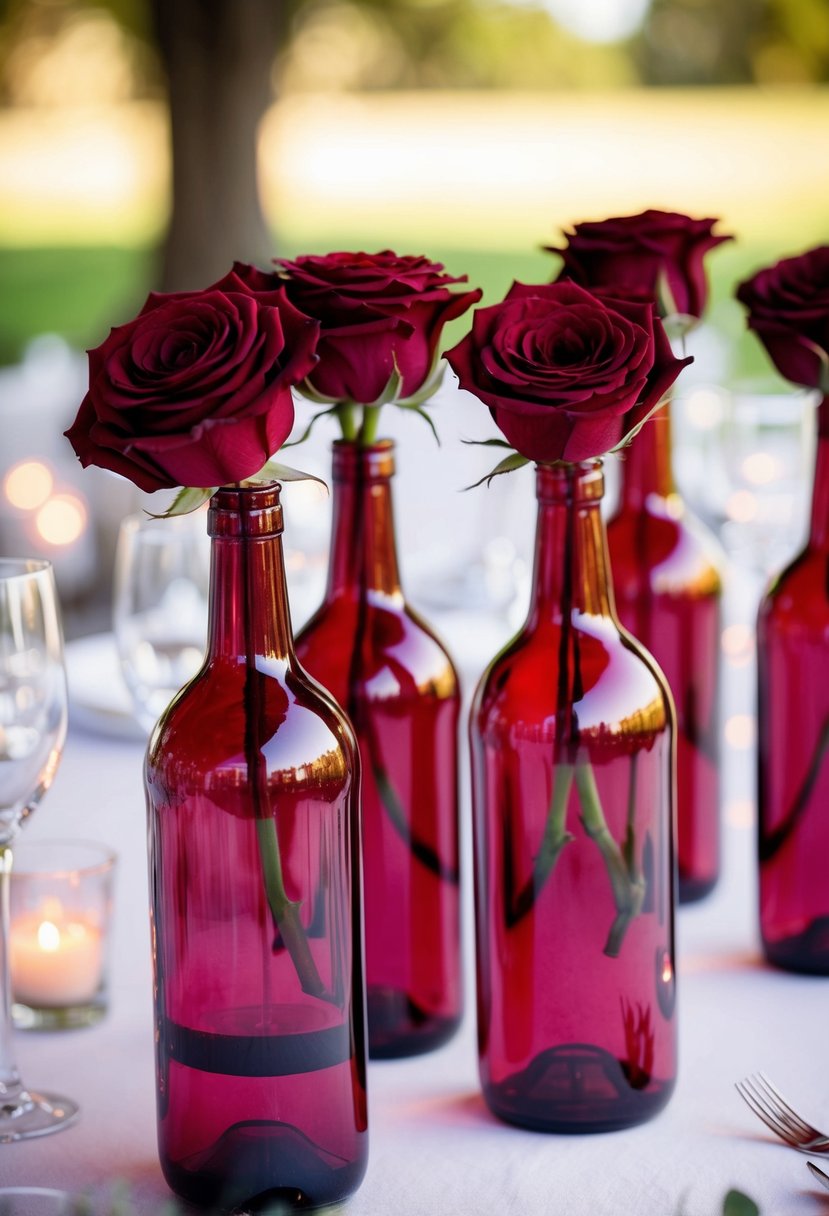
<point x="375" y="461"/>
<point x="251" y="510"/>
<point x="582" y="480"/>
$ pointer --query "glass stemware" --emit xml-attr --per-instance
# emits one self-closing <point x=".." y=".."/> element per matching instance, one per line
<point x="32" y="731"/>
<point x="159" y="610"/>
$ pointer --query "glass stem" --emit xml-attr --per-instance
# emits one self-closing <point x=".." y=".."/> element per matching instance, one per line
<point x="10" y="1084"/>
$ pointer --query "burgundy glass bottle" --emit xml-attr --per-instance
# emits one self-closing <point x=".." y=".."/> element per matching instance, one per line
<point x="793" y="721"/>
<point x="572" y="763"/>
<point x="396" y="681"/>
<point x="668" y="586"/>
<point x="252" y="782"/>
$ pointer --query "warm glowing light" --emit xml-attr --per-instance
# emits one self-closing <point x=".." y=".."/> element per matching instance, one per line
<point x="739" y="813"/>
<point x="739" y="731"/>
<point x="741" y="507"/>
<point x="760" y="468"/>
<point x="704" y="408"/>
<point x="667" y="969"/>
<point x="738" y="644"/>
<point x="62" y="519"/>
<point x="28" y="485"/>
<point x="48" y="937"/>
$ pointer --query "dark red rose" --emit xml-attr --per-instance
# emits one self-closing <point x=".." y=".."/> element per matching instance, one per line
<point x="659" y="253"/>
<point x="379" y="312"/>
<point x="567" y="374"/>
<point x="196" y="391"/>
<point x="788" y="308"/>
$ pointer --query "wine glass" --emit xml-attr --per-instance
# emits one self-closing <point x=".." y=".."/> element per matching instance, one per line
<point x="32" y="732"/>
<point x="159" y="609"/>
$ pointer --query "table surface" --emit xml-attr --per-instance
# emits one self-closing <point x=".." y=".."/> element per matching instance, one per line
<point x="434" y="1148"/>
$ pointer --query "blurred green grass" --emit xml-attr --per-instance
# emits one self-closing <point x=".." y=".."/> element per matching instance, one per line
<point x="80" y="292"/>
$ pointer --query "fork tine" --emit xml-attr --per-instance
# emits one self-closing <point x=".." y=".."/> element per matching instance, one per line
<point x="755" y="1100"/>
<point x="787" y="1111"/>
<point x="767" y="1098"/>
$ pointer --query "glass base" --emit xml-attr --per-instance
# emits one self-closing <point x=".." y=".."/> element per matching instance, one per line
<point x="35" y="1114"/>
<point x="575" y="1089"/>
<point x="806" y="952"/>
<point x="692" y="889"/>
<point x="397" y="1027"/>
<point x="42" y="1017"/>
<point x="240" y="1172"/>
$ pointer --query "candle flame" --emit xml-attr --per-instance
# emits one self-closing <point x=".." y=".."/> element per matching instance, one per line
<point x="48" y="937"/>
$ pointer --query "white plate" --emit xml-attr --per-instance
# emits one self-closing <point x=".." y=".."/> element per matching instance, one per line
<point x="98" y="698"/>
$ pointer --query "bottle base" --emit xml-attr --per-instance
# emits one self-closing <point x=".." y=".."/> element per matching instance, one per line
<point x="576" y="1089"/>
<point x="259" y="1165"/>
<point x="807" y="953"/>
<point x="690" y="890"/>
<point x="398" y="1027"/>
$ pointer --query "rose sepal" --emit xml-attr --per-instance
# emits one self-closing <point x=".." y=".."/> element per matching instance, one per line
<point x="186" y="501"/>
<point x="508" y="465"/>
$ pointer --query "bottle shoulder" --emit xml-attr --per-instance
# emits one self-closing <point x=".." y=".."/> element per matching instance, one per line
<point x="798" y="597"/>
<point x="211" y="725"/>
<point x="395" y="640"/>
<point x="664" y="544"/>
<point x="612" y="681"/>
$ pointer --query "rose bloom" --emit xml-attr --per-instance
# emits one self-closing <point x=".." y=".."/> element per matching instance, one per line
<point x="567" y="374"/>
<point x="657" y="253"/>
<point x="788" y="308"/>
<point x="196" y="391"/>
<point x="379" y="313"/>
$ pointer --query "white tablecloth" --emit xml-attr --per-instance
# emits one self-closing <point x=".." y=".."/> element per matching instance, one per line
<point x="434" y="1148"/>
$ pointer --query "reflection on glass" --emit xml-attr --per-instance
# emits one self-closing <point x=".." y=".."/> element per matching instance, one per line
<point x="160" y="608"/>
<point x="32" y="733"/>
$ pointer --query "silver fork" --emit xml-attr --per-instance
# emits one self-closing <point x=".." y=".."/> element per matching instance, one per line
<point x="769" y="1105"/>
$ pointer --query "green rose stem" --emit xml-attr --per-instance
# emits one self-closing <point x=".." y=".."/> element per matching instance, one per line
<point x="346" y="416"/>
<point x="284" y="911"/>
<point x="627" y="882"/>
<point x="628" y="891"/>
<point x="362" y="432"/>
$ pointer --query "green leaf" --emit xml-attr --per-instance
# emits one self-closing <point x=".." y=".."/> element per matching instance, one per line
<point x="420" y="411"/>
<point x="186" y="501"/>
<point x="738" y="1204"/>
<point x="284" y="472"/>
<point x="488" y="443"/>
<point x="309" y="428"/>
<point x="391" y="392"/>
<point x="507" y="465"/>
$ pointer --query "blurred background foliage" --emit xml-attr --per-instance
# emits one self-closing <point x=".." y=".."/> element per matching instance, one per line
<point x="146" y="143"/>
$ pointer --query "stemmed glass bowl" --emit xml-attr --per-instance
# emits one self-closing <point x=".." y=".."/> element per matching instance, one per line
<point x="32" y="731"/>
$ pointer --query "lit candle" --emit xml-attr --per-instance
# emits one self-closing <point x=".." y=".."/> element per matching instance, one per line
<point x="56" y="958"/>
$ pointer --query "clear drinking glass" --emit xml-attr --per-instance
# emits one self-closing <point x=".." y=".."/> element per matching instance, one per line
<point x="32" y="732"/>
<point x="159" y="614"/>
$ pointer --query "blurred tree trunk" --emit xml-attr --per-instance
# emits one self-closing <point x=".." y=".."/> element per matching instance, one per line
<point x="218" y="56"/>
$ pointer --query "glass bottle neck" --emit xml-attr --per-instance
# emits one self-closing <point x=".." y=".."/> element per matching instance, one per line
<point x="819" y="522"/>
<point x="249" y="613"/>
<point x="363" y="549"/>
<point x="646" y="462"/>
<point x="571" y="571"/>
